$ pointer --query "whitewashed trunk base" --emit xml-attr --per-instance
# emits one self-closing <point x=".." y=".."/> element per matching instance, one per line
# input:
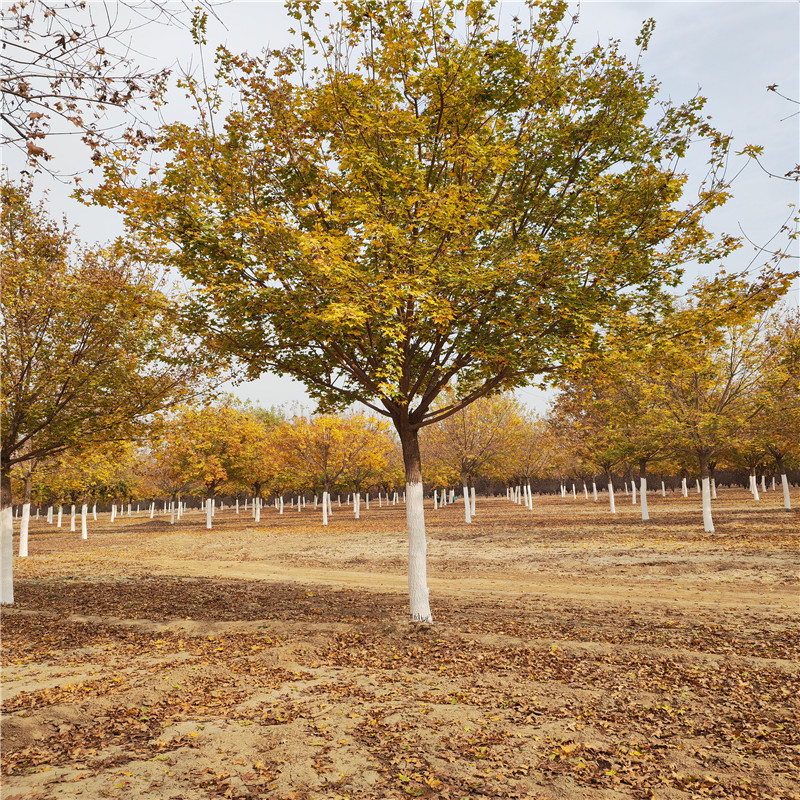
<point x="418" y="594"/>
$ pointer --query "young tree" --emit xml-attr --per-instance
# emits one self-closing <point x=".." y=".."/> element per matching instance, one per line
<point x="89" y="348"/>
<point x="416" y="201"/>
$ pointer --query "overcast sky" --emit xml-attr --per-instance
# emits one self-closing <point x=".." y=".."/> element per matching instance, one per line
<point x="727" y="51"/>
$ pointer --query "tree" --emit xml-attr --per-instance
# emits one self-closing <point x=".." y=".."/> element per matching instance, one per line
<point x="80" y="474"/>
<point x="66" y="66"/>
<point x="414" y="201"/>
<point x="325" y="449"/>
<point x="474" y="441"/>
<point x="775" y="426"/>
<point x="89" y="346"/>
<point x="211" y="444"/>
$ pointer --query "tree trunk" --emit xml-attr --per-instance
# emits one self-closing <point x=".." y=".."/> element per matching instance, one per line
<point x="633" y="491"/>
<point x="611" y="503"/>
<point x="324" y="506"/>
<point x="467" y="515"/>
<point x="418" y="594"/>
<point x="643" y="487"/>
<point x="787" y="502"/>
<point x="84" y="516"/>
<point x="754" y="484"/>
<point x="472" y="500"/>
<point x="594" y="490"/>
<point x="26" y="517"/>
<point x="708" y="522"/>
<point x="6" y="538"/>
<point x="209" y="508"/>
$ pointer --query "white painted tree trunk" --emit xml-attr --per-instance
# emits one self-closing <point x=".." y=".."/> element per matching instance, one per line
<point x="625" y="483"/>
<point x="60" y="516"/>
<point x="257" y="502"/>
<point x="380" y="501"/>
<point x="574" y="493"/>
<point x="299" y="504"/>
<point x="633" y="492"/>
<point x="84" y="526"/>
<point x="435" y="500"/>
<point x="357" y="505"/>
<point x="684" y="488"/>
<point x="130" y="507"/>
<point x="563" y="490"/>
<point x="7" y="556"/>
<point x="708" y="523"/>
<point x="772" y="487"/>
<point x="366" y="496"/>
<point x="330" y="505"/>
<point x="72" y="518"/>
<point x="585" y="491"/>
<point x="755" y="487"/>
<point x="663" y="489"/>
<point x="611" y="502"/>
<point x="50" y="514"/>
<point x="643" y="486"/>
<point x="417" y="569"/>
<point x="152" y="509"/>
<point x="787" y="502"/>
<point x="315" y="502"/>
<point x="23" y="530"/>
<point x="94" y="511"/>
<point x="280" y="509"/>
<point x="209" y="512"/>
<point x="698" y="485"/>
<point x="339" y="500"/>
<point x="171" y="512"/>
<point x="763" y="484"/>
<point x="324" y="508"/>
<point x="594" y="490"/>
<point x="237" y="505"/>
<point x="472" y="501"/>
<point x="467" y="515"/>
<point x="713" y="488"/>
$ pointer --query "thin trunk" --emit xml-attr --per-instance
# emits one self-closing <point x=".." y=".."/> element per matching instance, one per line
<point x="708" y="522"/>
<point x="467" y="515"/>
<point x="26" y="517"/>
<point x="72" y="518"/>
<point x="472" y="500"/>
<point x="84" y="526"/>
<point x="684" y="488"/>
<point x="633" y="492"/>
<point x="209" y="512"/>
<point x="663" y="489"/>
<point x="594" y="490"/>
<point x="611" y="503"/>
<point x="324" y="507"/>
<point x="435" y="500"/>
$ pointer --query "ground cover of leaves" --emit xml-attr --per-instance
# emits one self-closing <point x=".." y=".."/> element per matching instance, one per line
<point x="574" y="655"/>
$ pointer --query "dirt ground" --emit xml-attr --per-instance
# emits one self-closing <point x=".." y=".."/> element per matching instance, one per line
<point x="574" y="655"/>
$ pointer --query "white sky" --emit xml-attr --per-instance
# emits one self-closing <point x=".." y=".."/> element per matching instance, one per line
<point x="727" y="51"/>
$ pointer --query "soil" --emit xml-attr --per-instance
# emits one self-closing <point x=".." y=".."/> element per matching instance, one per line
<point x="574" y="654"/>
